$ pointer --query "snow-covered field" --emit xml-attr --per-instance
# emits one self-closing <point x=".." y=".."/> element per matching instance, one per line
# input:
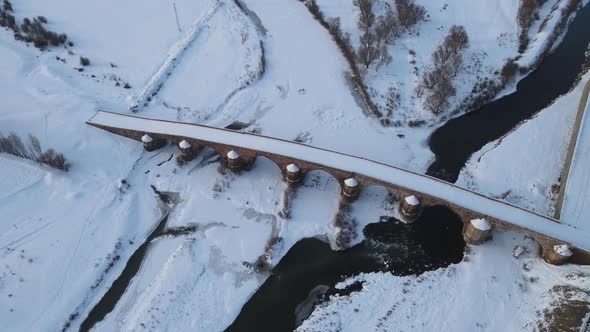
<point x="545" y="140"/>
<point x="64" y="237"/>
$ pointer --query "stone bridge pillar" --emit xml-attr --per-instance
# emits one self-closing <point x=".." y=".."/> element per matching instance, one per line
<point x="151" y="144"/>
<point x="410" y="208"/>
<point x="293" y="175"/>
<point x="187" y="151"/>
<point x="351" y="189"/>
<point x="557" y="254"/>
<point x="238" y="162"/>
<point x="477" y="231"/>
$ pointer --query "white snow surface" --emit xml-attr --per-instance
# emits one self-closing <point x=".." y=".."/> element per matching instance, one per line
<point x="65" y="237"/>
<point x="481" y="224"/>
<point x="184" y="144"/>
<point x="146" y="138"/>
<point x="412" y="200"/>
<point x="563" y="250"/>
<point x="405" y="179"/>
<point x="292" y="168"/>
<point x="351" y="182"/>
<point x="233" y="155"/>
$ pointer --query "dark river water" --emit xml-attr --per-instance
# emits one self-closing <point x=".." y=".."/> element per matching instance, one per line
<point x="431" y="242"/>
<point x="459" y="138"/>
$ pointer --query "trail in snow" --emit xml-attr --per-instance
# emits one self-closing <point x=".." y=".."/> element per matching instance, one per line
<point x="158" y="79"/>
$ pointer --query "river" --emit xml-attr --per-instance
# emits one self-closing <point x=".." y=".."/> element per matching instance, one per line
<point x="311" y="269"/>
<point x="455" y="141"/>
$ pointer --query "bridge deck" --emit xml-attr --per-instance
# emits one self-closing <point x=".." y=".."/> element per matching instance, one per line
<point x="575" y="210"/>
<point x="396" y="176"/>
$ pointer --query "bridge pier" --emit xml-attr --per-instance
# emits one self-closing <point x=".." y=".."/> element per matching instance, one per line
<point x="410" y="209"/>
<point x="237" y="162"/>
<point x="557" y="254"/>
<point x="151" y="144"/>
<point x="293" y="175"/>
<point x="187" y="152"/>
<point x="350" y="189"/>
<point x="477" y="231"/>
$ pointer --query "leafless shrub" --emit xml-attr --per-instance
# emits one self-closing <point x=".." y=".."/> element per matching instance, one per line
<point x="346" y="226"/>
<point x="348" y="53"/>
<point x="366" y="15"/>
<point x="314" y="9"/>
<point x="84" y="61"/>
<point x="409" y="13"/>
<point x="12" y="144"/>
<point x="527" y="14"/>
<point x="447" y="61"/>
<point x="287" y="199"/>
<point x="508" y="71"/>
<point x="393" y="100"/>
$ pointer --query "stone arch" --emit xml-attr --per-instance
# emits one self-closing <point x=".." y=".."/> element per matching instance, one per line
<point x="307" y="173"/>
<point x="268" y="160"/>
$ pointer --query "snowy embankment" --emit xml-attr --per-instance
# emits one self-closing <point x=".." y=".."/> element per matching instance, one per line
<point x="223" y="60"/>
<point x="541" y="144"/>
<point x="493" y="34"/>
<point x="489" y="291"/>
<point x="174" y="56"/>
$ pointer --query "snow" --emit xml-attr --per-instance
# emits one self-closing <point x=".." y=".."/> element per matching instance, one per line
<point x="292" y="168"/>
<point x="412" y="200"/>
<point x="402" y="178"/>
<point x="539" y="145"/>
<point x="184" y="144"/>
<point x="489" y="291"/>
<point x="481" y="224"/>
<point x="351" y="182"/>
<point x="563" y="250"/>
<point x="233" y="155"/>
<point x="57" y="255"/>
<point x="576" y="204"/>
<point x="146" y="138"/>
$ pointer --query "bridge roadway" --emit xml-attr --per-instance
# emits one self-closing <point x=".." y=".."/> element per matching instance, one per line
<point x="466" y="203"/>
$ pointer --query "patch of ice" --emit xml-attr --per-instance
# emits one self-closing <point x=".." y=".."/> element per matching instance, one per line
<point x="563" y="250"/>
<point x="146" y="138"/>
<point x="481" y="224"/>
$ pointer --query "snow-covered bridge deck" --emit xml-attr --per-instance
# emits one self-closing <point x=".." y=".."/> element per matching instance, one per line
<point x="468" y="204"/>
<point x="575" y="205"/>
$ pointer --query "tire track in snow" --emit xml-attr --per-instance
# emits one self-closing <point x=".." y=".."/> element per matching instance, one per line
<point x="157" y="81"/>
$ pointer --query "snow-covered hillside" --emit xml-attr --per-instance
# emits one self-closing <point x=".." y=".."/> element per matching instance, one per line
<point x="493" y="32"/>
<point x="267" y="66"/>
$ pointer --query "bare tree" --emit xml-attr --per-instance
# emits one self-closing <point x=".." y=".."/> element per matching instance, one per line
<point x="366" y="15"/>
<point x="409" y="13"/>
<point x="367" y="52"/>
<point x="448" y="60"/>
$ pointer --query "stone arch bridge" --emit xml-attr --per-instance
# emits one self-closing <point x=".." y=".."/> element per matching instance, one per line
<point x="480" y="214"/>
